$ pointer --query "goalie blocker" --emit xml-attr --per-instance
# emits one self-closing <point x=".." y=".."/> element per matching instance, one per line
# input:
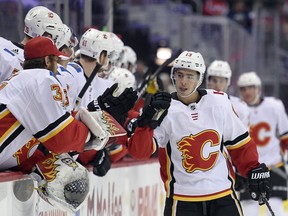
<point x="103" y="128"/>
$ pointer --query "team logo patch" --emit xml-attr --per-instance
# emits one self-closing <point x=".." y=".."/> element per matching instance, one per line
<point x="200" y="151"/>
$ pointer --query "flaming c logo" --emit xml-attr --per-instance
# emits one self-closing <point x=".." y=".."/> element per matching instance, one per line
<point x="111" y="126"/>
<point x="200" y="151"/>
<point x="49" y="167"/>
<point x="255" y="131"/>
<point x="24" y="153"/>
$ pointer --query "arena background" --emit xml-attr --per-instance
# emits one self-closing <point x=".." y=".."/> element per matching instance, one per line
<point x="250" y="38"/>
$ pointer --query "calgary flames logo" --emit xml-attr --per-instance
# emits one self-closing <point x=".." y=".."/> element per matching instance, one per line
<point x="25" y="152"/>
<point x="262" y="129"/>
<point x="110" y="123"/>
<point x="48" y="167"/>
<point x="200" y="151"/>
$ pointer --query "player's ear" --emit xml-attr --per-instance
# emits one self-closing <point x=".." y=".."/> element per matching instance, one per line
<point x="47" y="61"/>
<point x="103" y="58"/>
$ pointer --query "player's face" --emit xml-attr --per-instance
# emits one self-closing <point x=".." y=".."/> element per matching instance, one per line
<point x="51" y="63"/>
<point x="217" y="83"/>
<point x="185" y="81"/>
<point x="249" y="94"/>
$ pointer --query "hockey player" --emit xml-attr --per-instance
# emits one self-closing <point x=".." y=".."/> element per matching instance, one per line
<point x="129" y="59"/>
<point x="93" y="45"/>
<point x="218" y="78"/>
<point x="269" y="129"/>
<point x="39" y="21"/>
<point x="191" y="131"/>
<point x="68" y="81"/>
<point x="124" y="80"/>
<point x="100" y="93"/>
<point x="32" y="107"/>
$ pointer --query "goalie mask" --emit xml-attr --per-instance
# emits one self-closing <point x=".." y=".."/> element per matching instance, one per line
<point x="191" y="61"/>
<point x="64" y="182"/>
<point x="40" y="20"/>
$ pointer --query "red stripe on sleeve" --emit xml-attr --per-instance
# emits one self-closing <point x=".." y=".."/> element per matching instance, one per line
<point x="245" y="158"/>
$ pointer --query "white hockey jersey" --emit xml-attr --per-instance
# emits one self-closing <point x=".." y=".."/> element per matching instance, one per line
<point x="32" y="105"/>
<point x="268" y="125"/>
<point x="69" y="85"/>
<point x="11" y="58"/>
<point x="241" y="108"/>
<point x="191" y="139"/>
<point x="17" y="51"/>
<point x="95" y="89"/>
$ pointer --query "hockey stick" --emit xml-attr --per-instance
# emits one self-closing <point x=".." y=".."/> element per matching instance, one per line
<point x="279" y="172"/>
<point x="148" y="76"/>
<point x="263" y="197"/>
<point x="85" y="87"/>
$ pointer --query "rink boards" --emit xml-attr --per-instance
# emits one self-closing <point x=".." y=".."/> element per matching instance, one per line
<point x="129" y="188"/>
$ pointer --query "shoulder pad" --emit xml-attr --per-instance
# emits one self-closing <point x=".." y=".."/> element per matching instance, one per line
<point x="76" y="66"/>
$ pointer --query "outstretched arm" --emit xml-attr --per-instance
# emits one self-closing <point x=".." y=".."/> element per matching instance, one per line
<point x="141" y="145"/>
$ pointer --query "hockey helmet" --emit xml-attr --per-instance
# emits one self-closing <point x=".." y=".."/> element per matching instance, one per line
<point x="40" y="20"/>
<point x="124" y="78"/>
<point x="93" y="42"/>
<point x="192" y="61"/>
<point x="221" y="69"/>
<point x="249" y="79"/>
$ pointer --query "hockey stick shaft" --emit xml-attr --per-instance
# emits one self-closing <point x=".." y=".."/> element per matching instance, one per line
<point x="279" y="172"/>
<point x="149" y="77"/>
<point x="267" y="204"/>
<point x="165" y="64"/>
<point x="88" y="82"/>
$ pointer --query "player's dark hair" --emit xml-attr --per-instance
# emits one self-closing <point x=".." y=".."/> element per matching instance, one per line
<point x="36" y="63"/>
<point x="87" y="58"/>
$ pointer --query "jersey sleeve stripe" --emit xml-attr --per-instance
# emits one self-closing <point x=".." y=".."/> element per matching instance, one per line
<point x="10" y="135"/>
<point x="284" y="136"/>
<point x="8" y="51"/>
<point x="4" y="113"/>
<point x="238" y="142"/>
<point x="54" y="128"/>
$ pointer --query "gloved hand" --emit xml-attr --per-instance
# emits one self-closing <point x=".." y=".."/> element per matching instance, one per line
<point x="101" y="163"/>
<point x="154" y="110"/>
<point x="259" y="183"/>
<point x="116" y="106"/>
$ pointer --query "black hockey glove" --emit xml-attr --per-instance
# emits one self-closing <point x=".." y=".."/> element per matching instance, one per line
<point x="155" y="109"/>
<point x="119" y="106"/>
<point x="101" y="163"/>
<point x="259" y="183"/>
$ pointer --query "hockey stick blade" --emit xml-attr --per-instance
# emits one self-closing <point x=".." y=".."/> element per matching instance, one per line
<point x="85" y="87"/>
<point x="263" y="197"/>
<point x="149" y="77"/>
